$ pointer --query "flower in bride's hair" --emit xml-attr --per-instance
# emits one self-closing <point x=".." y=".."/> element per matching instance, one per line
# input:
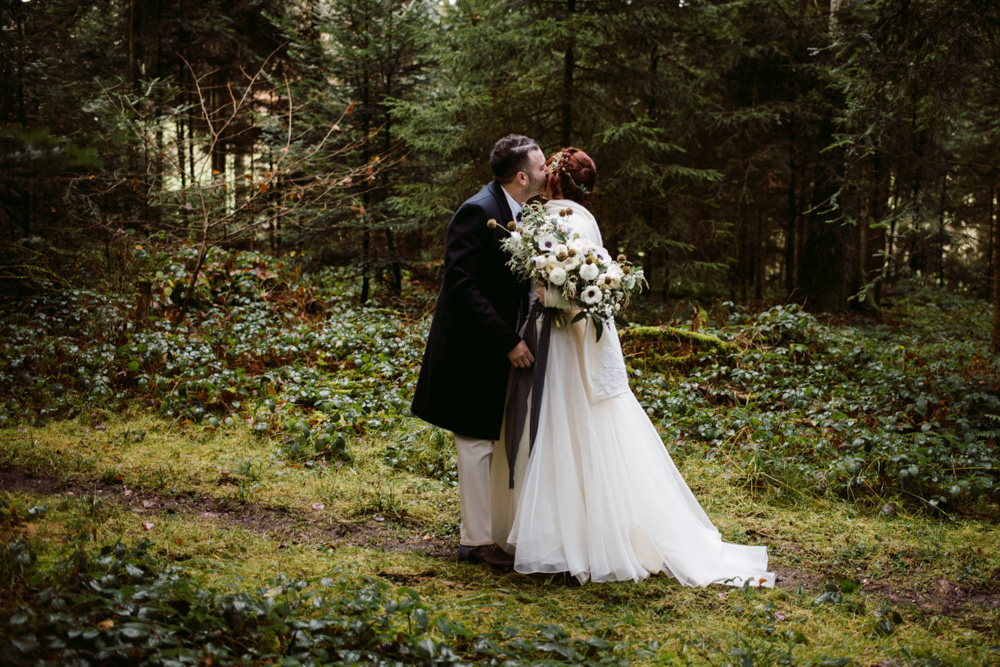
<point x="511" y="225"/>
<point x="491" y="223"/>
<point x="557" y="276"/>
<point x="589" y="270"/>
<point x="591" y="295"/>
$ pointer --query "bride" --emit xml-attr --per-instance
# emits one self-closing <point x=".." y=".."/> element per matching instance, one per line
<point x="599" y="496"/>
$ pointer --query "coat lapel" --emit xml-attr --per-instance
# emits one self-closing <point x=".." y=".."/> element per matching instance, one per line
<point x="498" y="194"/>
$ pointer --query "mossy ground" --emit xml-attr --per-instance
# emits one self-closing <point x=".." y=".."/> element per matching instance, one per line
<point x="218" y="503"/>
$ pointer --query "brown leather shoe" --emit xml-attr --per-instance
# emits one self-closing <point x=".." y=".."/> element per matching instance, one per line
<point x="490" y="554"/>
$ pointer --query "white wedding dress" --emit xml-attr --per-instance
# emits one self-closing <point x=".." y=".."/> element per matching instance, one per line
<point x="599" y="497"/>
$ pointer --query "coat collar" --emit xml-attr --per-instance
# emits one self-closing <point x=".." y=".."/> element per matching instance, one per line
<point x="497" y="191"/>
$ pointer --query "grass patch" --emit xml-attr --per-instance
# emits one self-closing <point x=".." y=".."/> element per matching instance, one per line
<point x="935" y="578"/>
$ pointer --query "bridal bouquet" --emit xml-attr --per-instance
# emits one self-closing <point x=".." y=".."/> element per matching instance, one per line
<point x="543" y="248"/>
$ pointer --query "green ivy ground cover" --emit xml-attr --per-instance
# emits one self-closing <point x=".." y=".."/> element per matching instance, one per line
<point x="863" y="453"/>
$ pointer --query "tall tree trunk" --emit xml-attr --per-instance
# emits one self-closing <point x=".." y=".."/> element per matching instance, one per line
<point x="760" y="253"/>
<point x="217" y="111"/>
<point x="990" y="266"/>
<point x="941" y="234"/>
<point x="792" y="216"/>
<point x="569" y="63"/>
<point x="876" y="267"/>
<point x="743" y="253"/>
<point x="366" y="237"/>
<point x="133" y="58"/>
<point x="892" y="226"/>
<point x="995" y="338"/>
<point x="647" y="269"/>
<point x="396" y="283"/>
<point x="830" y="271"/>
<point x="182" y="172"/>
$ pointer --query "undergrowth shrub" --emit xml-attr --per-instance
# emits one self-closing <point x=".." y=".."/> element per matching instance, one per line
<point x="862" y="412"/>
<point x="258" y="346"/>
<point x="119" y="604"/>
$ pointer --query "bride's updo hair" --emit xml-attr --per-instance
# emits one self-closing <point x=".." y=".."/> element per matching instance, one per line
<point x="571" y="175"/>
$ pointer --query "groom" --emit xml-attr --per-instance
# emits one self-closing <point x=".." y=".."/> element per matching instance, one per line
<point x="473" y="341"/>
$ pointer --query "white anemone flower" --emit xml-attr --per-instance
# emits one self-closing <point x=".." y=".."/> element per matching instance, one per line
<point x="612" y="277"/>
<point x="547" y="241"/>
<point x="591" y="295"/>
<point x="557" y="276"/>
<point x="572" y="262"/>
<point x="589" y="271"/>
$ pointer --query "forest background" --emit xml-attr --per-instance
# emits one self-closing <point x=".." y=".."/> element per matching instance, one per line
<point x="221" y="231"/>
<point x="798" y="151"/>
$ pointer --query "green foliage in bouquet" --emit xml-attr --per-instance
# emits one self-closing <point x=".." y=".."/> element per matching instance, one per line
<point x="546" y="249"/>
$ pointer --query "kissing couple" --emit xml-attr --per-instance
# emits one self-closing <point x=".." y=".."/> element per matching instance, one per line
<point x="594" y="492"/>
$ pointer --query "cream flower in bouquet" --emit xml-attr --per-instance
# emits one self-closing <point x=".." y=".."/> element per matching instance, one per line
<point x="544" y="249"/>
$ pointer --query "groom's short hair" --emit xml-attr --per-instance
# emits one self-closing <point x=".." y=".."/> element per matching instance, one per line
<point x="511" y="155"/>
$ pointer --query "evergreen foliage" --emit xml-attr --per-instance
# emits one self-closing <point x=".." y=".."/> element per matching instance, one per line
<point x="746" y="150"/>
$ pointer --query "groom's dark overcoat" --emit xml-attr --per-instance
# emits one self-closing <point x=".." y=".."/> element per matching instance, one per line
<point x="463" y="378"/>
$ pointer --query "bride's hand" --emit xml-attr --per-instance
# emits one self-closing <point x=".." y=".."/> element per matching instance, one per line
<point x="540" y="291"/>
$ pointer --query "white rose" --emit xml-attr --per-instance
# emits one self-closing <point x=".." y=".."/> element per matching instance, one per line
<point x="557" y="276"/>
<point x="591" y="295"/>
<point x="589" y="271"/>
<point x="572" y="262"/>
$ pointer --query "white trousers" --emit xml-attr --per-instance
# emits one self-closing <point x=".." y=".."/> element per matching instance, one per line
<point x="475" y="456"/>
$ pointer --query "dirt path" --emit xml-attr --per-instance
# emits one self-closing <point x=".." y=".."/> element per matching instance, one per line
<point x="289" y="526"/>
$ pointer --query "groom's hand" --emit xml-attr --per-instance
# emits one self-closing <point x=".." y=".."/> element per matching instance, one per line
<point x="520" y="356"/>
